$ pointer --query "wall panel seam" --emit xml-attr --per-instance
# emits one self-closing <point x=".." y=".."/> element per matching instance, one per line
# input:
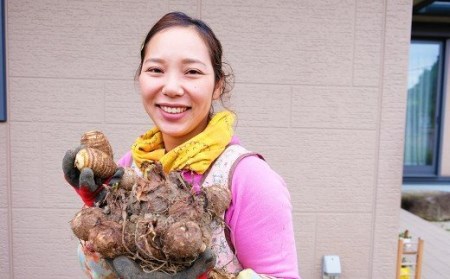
<point x="8" y="148"/>
<point x="315" y="236"/>
<point x="355" y="16"/>
<point x="290" y="107"/>
<point x="131" y="79"/>
<point x="377" y="145"/>
<point x="328" y="85"/>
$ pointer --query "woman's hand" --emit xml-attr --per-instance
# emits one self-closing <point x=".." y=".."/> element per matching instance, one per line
<point x="84" y="182"/>
<point x="128" y="269"/>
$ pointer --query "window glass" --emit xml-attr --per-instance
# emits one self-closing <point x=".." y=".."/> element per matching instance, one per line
<point x="422" y="104"/>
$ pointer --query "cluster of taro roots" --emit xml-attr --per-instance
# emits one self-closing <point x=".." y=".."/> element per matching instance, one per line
<point x="158" y="221"/>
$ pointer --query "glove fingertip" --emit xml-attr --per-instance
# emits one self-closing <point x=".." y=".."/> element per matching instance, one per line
<point x="119" y="171"/>
<point x="100" y="196"/>
<point x="87" y="179"/>
<point x="68" y="160"/>
<point x="208" y="258"/>
<point x="125" y="267"/>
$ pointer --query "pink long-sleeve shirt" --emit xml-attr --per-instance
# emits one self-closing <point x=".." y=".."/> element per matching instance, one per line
<point x="259" y="217"/>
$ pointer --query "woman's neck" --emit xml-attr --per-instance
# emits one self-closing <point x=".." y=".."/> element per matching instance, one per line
<point x="171" y="142"/>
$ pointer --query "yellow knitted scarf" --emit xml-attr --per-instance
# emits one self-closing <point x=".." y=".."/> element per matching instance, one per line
<point x="196" y="154"/>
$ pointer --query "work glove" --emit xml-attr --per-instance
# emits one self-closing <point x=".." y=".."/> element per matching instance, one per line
<point x="129" y="269"/>
<point x="88" y="187"/>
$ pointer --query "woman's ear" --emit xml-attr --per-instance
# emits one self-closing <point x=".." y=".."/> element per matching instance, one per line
<point x="219" y="89"/>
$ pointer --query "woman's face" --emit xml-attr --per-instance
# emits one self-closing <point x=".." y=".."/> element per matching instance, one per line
<point x="177" y="84"/>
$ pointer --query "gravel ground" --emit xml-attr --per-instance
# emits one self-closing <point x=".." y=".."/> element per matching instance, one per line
<point x="427" y="189"/>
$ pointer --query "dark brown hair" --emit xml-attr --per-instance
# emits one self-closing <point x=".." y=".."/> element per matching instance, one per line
<point x="176" y="19"/>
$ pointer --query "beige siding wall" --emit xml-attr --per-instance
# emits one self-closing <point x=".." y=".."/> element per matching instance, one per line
<point x="320" y="91"/>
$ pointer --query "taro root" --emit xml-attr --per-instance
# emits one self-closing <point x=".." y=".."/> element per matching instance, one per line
<point x="183" y="239"/>
<point x="128" y="240"/>
<point x="97" y="140"/>
<point x="101" y="164"/>
<point x="96" y="155"/>
<point x="220" y="274"/>
<point x="147" y="240"/>
<point x="206" y="236"/>
<point x="86" y="220"/>
<point x="107" y="239"/>
<point x="128" y="179"/>
<point x="186" y="209"/>
<point x="218" y="199"/>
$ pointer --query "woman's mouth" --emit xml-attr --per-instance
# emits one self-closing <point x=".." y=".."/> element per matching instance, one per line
<point x="173" y="110"/>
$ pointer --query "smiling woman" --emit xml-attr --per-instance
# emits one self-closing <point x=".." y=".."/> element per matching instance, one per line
<point x="180" y="76"/>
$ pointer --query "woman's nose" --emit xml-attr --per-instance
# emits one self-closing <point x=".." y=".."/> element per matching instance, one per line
<point x="172" y="86"/>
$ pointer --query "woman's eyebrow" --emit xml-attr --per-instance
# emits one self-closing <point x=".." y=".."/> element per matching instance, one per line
<point x="157" y="60"/>
<point x="184" y="61"/>
<point x="192" y="61"/>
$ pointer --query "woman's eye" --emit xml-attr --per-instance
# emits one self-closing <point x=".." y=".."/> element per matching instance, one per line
<point x="193" y="72"/>
<point x="154" y="70"/>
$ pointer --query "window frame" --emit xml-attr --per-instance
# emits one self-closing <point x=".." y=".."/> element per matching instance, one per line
<point x="437" y="31"/>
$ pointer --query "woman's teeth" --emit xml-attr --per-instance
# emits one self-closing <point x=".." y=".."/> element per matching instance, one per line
<point x="173" y="110"/>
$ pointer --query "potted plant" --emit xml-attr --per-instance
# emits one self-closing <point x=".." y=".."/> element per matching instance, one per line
<point x="406" y="237"/>
<point x="405" y="270"/>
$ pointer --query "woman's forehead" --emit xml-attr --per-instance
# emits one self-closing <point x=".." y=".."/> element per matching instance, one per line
<point x="177" y="42"/>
